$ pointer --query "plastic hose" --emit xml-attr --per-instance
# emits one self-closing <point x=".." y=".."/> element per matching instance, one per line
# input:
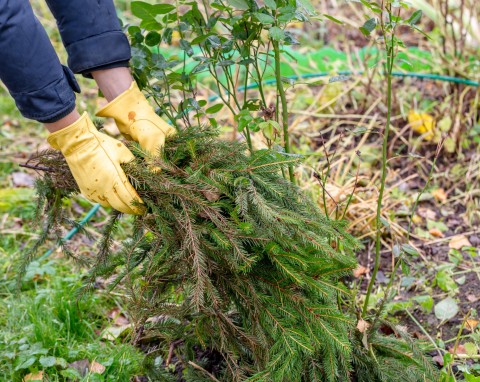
<point x="426" y="76"/>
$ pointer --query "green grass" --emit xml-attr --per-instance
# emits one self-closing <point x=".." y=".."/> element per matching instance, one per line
<point x="45" y="326"/>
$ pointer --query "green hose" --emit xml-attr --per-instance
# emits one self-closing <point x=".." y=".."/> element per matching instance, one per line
<point x="426" y="76"/>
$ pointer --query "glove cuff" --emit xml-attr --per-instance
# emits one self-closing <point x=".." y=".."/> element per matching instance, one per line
<point x="72" y="137"/>
<point x="123" y="104"/>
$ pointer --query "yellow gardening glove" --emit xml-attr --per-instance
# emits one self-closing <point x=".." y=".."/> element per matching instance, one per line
<point x="94" y="159"/>
<point x="137" y="120"/>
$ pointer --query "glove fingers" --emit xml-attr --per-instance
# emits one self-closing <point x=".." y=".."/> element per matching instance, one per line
<point x="119" y="197"/>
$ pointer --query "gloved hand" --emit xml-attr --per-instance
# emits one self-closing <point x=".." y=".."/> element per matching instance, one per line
<point x="94" y="159"/>
<point x="137" y="120"/>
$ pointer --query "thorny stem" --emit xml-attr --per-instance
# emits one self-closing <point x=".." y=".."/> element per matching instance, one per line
<point x="283" y="99"/>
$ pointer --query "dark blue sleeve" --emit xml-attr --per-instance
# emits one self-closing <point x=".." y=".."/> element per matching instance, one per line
<point x="43" y="89"/>
<point x="91" y="33"/>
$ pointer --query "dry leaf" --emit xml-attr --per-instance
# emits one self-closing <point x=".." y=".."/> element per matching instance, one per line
<point x="118" y="317"/>
<point x="113" y="332"/>
<point x="121" y="320"/>
<point x="33" y="377"/>
<point x="417" y="219"/>
<point x="435" y="232"/>
<point x="472" y="298"/>
<point x="438" y="359"/>
<point x="459" y="241"/>
<point x="97" y="368"/>
<point x="440" y="195"/>
<point x="471" y="324"/>
<point x="362" y="325"/>
<point x="427" y="213"/>
<point x="81" y="366"/>
<point x="460" y="350"/>
<point x="359" y="271"/>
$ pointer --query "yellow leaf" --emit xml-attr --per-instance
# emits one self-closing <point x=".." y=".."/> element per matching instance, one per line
<point x="422" y="123"/>
<point x="33" y="377"/>
<point x="416" y="219"/>
<point x="459" y="241"/>
<point x="440" y="195"/>
<point x="471" y="324"/>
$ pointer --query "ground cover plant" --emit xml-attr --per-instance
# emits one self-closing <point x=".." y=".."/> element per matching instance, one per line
<point x="194" y="68"/>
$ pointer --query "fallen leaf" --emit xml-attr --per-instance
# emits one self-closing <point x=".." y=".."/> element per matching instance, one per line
<point x="427" y="213"/>
<point x="422" y="123"/>
<point x="438" y="359"/>
<point x="118" y="317"/>
<point x="459" y="241"/>
<point x="97" y="368"/>
<point x="33" y="377"/>
<point x="471" y="324"/>
<point x="446" y="309"/>
<point x="472" y="298"/>
<point x="416" y="219"/>
<point x="459" y="350"/>
<point x="435" y="232"/>
<point x="471" y="349"/>
<point x="113" y="332"/>
<point x="440" y="195"/>
<point x="359" y="271"/>
<point x="121" y="320"/>
<point x="81" y="366"/>
<point x="362" y="325"/>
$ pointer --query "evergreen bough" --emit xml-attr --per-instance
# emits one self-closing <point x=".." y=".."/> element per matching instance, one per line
<point x="232" y="257"/>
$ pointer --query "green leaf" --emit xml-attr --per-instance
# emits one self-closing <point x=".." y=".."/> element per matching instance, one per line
<point x="185" y="45"/>
<point x="471" y="348"/>
<point x="415" y="17"/>
<point x="369" y="26"/>
<point x="215" y="108"/>
<point x="331" y="18"/>
<point x="48" y="361"/>
<point x="445" y="281"/>
<point x="426" y="302"/>
<point x="471" y="377"/>
<point x="26" y="364"/>
<point x="446" y="309"/>
<point x="276" y="34"/>
<point x="146" y="11"/>
<point x="271" y="4"/>
<point x="264" y="18"/>
<point x="152" y="38"/>
<point x="239" y="4"/>
<point x="407" y="248"/>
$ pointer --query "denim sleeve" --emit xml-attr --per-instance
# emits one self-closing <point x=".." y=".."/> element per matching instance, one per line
<point x="43" y="89"/>
<point x="91" y="33"/>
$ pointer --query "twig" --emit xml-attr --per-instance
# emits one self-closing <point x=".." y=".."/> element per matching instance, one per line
<point x="198" y="367"/>
<point x="40" y="168"/>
